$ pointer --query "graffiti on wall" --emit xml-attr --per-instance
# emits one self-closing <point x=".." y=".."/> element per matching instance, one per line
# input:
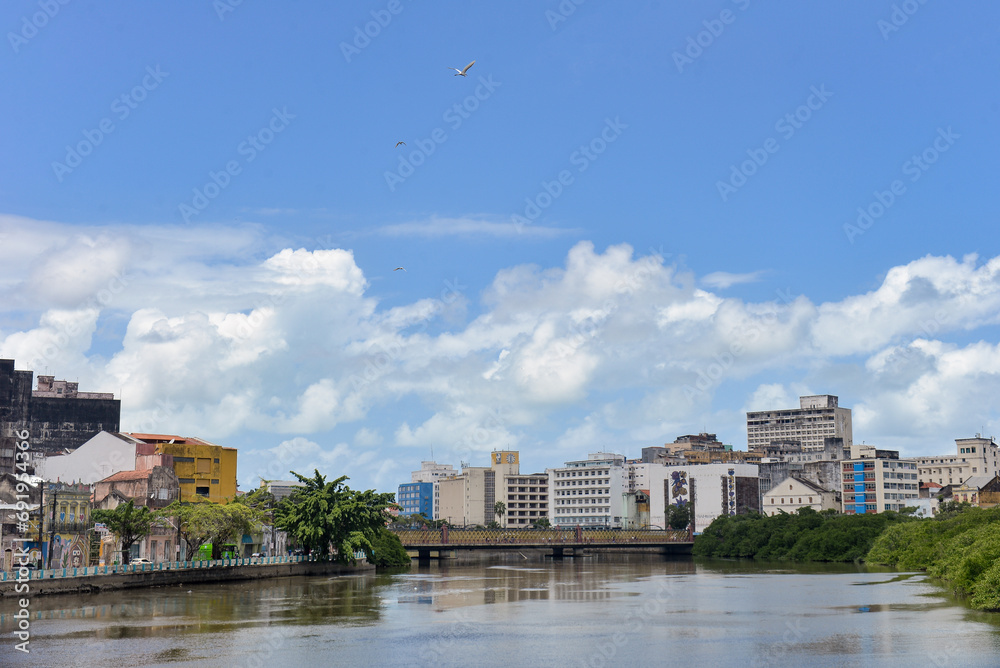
<point x="678" y="487"/>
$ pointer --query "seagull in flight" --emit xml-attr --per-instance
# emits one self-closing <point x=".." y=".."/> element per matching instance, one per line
<point x="398" y="143"/>
<point x="461" y="73"/>
<point x="399" y="269"/>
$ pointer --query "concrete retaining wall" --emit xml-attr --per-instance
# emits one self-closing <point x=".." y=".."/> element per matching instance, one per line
<point x="100" y="583"/>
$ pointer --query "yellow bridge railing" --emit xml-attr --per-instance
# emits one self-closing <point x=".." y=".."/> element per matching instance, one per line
<point x="459" y="537"/>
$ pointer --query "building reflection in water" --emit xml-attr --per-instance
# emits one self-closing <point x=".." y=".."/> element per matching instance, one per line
<point x="445" y="586"/>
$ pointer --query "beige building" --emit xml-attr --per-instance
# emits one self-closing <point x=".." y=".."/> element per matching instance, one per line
<point x="527" y="499"/>
<point x="877" y="480"/>
<point x="793" y="493"/>
<point x="432" y="472"/>
<point x="818" y="417"/>
<point x="468" y="499"/>
<point x="973" y="457"/>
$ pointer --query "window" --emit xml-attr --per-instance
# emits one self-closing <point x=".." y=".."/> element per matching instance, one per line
<point x="204" y="466"/>
<point x="186" y="460"/>
<point x="184" y="481"/>
<point x="202" y="491"/>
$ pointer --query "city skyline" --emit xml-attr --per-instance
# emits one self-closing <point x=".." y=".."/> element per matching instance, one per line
<point x="616" y="228"/>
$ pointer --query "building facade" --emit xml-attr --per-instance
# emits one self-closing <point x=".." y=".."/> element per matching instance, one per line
<point x="468" y="499"/>
<point x="818" y="417"/>
<point x="711" y="489"/>
<point x="57" y="416"/>
<point x="102" y="455"/>
<point x="973" y="457"/>
<point x="589" y="492"/>
<point x="792" y="493"/>
<point x="875" y="481"/>
<point x="206" y="471"/>
<point x="527" y="499"/>
<point x="416" y="498"/>
<point x="281" y="489"/>
<point x="432" y="472"/>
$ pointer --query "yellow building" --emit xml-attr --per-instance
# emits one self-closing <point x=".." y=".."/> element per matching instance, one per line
<point x="206" y="471"/>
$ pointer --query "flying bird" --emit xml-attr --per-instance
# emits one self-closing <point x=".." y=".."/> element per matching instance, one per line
<point x="398" y="143"/>
<point x="461" y="73"/>
<point x="399" y="269"/>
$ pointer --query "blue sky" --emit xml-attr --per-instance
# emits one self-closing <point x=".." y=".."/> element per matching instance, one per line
<point x="629" y="221"/>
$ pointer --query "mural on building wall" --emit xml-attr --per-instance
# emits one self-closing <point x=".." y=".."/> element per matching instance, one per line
<point x="678" y="487"/>
<point x="69" y="551"/>
<point x="730" y="501"/>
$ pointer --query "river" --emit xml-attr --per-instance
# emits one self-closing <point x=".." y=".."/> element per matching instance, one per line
<point x="639" y="610"/>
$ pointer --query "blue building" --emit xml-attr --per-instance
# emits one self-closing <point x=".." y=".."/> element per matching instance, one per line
<point x="416" y="497"/>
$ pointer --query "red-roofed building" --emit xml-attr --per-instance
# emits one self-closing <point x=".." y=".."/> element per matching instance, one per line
<point x="156" y="487"/>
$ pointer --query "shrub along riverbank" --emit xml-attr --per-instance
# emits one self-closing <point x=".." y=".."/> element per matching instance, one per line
<point x="805" y="535"/>
<point x="961" y="546"/>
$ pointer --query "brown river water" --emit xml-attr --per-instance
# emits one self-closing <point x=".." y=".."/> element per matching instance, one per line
<point x="638" y="610"/>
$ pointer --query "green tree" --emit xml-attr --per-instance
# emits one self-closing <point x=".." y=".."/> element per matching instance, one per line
<point x="128" y="523"/>
<point x="500" y="510"/>
<point x="678" y="516"/>
<point x="541" y="523"/>
<point x="324" y="515"/>
<point x="203" y="522"/>
<point x="388" y="550"/>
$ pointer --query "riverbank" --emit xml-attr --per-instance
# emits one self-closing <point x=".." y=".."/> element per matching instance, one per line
<point x="166" y="578"/>
<point x="638" y="610"/>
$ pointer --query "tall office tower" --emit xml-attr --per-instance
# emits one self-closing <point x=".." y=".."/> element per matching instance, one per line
<point x="818" y="417"/>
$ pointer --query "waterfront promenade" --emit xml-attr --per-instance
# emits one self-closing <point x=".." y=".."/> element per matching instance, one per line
<point x="127" y="576"/>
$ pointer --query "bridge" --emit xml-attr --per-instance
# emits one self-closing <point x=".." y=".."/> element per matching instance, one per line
<point x="446" y="541"/>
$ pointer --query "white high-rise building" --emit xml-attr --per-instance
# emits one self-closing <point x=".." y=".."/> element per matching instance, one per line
<point x="589" y="492"/>
<point x="817" y="417"/>
<point x="433" y="472"/>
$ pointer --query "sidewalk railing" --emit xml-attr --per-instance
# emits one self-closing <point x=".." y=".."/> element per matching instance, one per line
<point x="115" y="569"/>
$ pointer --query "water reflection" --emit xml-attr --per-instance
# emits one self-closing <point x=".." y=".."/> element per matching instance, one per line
<point x="638" y="609"/>
<point x="444" y="586"/>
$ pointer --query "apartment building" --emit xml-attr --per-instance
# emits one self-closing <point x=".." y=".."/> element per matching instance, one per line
<point x="416" y="498"/>
<point x="589" y="492"/>
<point x="877" y="480"/>
<point x="526" y="498"/>
<point x="468" y="499"/>
<point x="432" y="472"/>
<point x="976" y="456"/>
<point x="818" y="417"/>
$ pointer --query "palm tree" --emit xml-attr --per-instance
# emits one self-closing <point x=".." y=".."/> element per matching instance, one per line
<point x="500" y="510"/>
